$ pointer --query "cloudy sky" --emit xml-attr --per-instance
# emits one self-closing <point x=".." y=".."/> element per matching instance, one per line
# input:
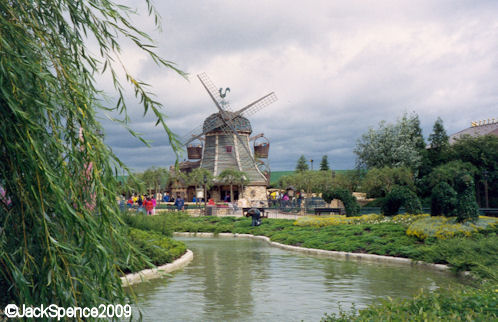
<point x="337" y="67"/>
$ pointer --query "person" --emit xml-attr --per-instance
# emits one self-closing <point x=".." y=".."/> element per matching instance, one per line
<point x="194" y="199"/>
<point x="130" y="202"/>
<point x="256" y="215"/>
<point x="140" y="203"/>
<point x="122" y="202"/>
<point x="179" y="203"/>
<point x="154" y="203"/>
<point x="227" y="198"/>
<point x="166" y="197"/>
<point x="285" y="200"/>
<point x="149" y="205"/>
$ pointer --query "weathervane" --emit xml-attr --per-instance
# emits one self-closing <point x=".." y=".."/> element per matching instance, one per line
<point x="223" y="95"/>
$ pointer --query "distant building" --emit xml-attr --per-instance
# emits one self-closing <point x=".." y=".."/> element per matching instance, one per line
<point x="476" y="129"/>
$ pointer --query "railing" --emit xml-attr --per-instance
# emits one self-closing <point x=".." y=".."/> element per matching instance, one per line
<point x="287" y="207"/>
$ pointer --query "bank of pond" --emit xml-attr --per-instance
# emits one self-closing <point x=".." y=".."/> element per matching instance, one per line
<point x="473" y="249"/>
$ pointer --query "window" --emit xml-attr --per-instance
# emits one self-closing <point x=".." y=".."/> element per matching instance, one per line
<point x="228" y="148"/>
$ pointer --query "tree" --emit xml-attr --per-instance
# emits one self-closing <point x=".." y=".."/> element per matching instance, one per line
<point x="482" y="153"/>
<point x="324" y="164"/>
<point x="233" y="177"/>
<point x="439" y="144"/>
<point x="392" y="145"/>
<point x="449" y="172"/>
<point x="302" y="165"/>
<point x="154" y="178"/>
<point x="379" y="182"/>
<point x="63" y="238"/>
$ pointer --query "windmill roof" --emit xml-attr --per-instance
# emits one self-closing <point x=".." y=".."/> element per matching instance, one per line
<point x="240" y="123"/>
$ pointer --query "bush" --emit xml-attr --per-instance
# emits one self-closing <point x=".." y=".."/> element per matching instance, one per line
<point x="443" y="200"/>
<point x="159" y="248"/>
<point x="463" y="303"/>
<point x="350" y="204"/>
<point x="412" y="203"/>
<point x="392" y="202"/>
<point x="401" y="196"/>
<point x="466" y="208"/>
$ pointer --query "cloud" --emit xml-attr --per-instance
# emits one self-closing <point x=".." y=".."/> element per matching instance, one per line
<point x="337" y="68"/>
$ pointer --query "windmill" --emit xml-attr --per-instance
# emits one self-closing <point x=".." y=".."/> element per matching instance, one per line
<point x="224" y="137"/>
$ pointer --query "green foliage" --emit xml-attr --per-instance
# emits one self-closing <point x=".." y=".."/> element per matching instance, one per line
<point x="448" y="172"/>
<point x="302" y="164"/>
<point x="309" y="181"/>
<point x="401" y="196"/>
<point x="144" y="222"/>
<point x="363" y="234"/>
<point x="350" y="180"/>
<point x="233" y="177"/>
<point x="439" y="144"/>
<point x="392" y="145"/>
<point x="154" y="179"/>
<point x="443" y="200"/>
<point x="378" y="182"/>
<point x="482" y="153"/>
<point x="324" y="164"/>
<point x="350" y="204"/>
<point x="60" y="234"/>
<point x="196" y="177"/>
<point x="477" y="254"/>
<point x="462" y="303"/>
<point x="467" y="208"/>
<point x="157" y="247"/>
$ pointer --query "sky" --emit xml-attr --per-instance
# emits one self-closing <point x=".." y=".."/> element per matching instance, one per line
<point x="337" y="67"/>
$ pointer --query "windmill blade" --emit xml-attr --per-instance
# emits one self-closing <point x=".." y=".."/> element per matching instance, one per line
<point x="212" y="91"/>
<point x="257" y="105"/>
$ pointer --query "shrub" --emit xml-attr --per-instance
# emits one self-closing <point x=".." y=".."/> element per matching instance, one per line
<point x="466" y="208"/>
<point x="393" y="201"/>
<point x="159" y="248"/>
<point x="412" y="203"/>
<point x="462" y="303"/>
<point x="350" y="204"/>
<point x="443" y="200"/>
<point x="442" y="227"/>
<point x="401" y="196"/>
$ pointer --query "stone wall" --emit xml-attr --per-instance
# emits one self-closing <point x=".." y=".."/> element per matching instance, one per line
<point x="253" y="195"/>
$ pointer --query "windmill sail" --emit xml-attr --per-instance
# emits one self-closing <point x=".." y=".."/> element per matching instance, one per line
<point x="226" y="143"/>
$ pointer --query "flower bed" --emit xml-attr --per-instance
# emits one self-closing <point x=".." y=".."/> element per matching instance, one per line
<point x="444" y="227"/>
<point x="334" y="220"/>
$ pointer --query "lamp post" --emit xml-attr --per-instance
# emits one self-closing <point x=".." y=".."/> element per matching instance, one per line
<point x="485" y="177"/>
<point x="311" y="161"/>
<point x="205" y="195"/>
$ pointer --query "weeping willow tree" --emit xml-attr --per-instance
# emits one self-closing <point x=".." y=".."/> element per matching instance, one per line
<point x="60" y="239"/>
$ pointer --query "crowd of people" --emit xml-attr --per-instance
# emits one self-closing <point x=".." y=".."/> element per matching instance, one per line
<point x="148" y="203"/>
<point x="283" y="199"/>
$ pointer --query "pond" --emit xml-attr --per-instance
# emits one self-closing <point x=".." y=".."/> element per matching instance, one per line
<point x="248" y="280"/>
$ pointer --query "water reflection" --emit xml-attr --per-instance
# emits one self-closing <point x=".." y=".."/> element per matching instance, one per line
<point x="248" y="280"/>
